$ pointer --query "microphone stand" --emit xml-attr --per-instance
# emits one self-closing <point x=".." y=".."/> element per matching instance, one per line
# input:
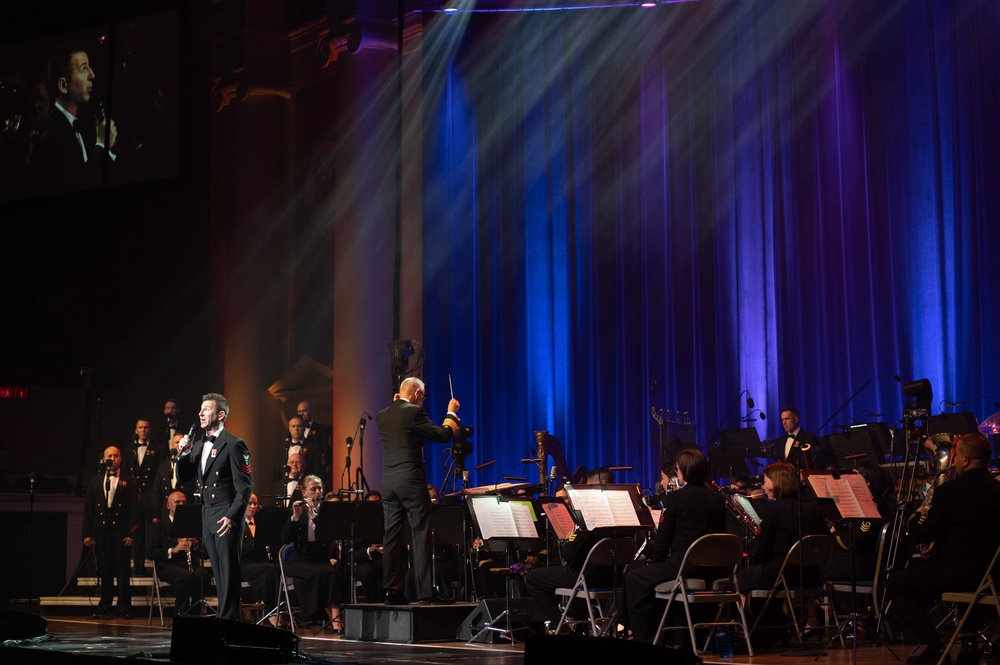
<point x="851" y="398"/>
<point x="361" y="482"/>
<point x="31" y="520"/>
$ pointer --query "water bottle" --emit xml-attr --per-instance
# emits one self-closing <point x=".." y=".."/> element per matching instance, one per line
<point x="723" y="645"/>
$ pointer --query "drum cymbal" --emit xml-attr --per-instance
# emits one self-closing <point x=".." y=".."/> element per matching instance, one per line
<point x="991" y="425"/>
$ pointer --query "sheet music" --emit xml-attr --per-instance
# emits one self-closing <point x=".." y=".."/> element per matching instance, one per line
<point x="603" y="508"/>
<point x="505" y="519"/>
<point x="850" y="493"/>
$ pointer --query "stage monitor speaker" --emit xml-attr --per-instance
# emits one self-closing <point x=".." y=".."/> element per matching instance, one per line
<point x="548" y="649"/>
<point x="21" y="625"/>
<point x="206" y="641"/>
<point x="522" y="615"/>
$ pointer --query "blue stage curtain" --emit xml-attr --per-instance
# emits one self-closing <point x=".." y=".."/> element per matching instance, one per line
<point x="631" y="209"/>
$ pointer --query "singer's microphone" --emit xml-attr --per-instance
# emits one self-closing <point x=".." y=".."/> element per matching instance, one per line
<point x="108" y="463"/>
<point x="31" y="478"/>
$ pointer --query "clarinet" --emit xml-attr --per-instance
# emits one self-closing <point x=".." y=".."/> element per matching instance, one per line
<point x="190" y="565"/>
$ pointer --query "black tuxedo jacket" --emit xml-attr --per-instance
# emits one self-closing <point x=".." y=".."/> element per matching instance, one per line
<point x="159" y="541"/>
<point x="226" y="482"/>
<point x="57" y="163"/>
<point x="963" y="521"/>
<point x="404" y="427"/>
<point x="688" y="514"/>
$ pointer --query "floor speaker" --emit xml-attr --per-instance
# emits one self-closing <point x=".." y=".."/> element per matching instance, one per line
<point x="209" y="641"/>
<point x="21" y="625"/>
<point x="523" y="619"/>
<point x="548" y="649"/>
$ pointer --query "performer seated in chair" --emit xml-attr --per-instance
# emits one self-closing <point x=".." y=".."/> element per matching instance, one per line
<point x="312" y="566"/>
<point x="780" y="528"/>
<point x="258" y="568"/>
<point x="688" y="513"/>
<point x="177" y="560"/>
<point x="962" y="519"/>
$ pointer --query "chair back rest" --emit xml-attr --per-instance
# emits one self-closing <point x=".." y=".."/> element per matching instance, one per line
<point x="812" y="550"/>
<point x="714" y="549"/>
<point x="611" y="551"/>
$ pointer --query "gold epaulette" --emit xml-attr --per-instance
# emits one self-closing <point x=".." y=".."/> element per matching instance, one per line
<point x="450" y="422"/>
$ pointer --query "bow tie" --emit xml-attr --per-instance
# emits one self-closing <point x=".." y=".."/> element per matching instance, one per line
<point x="250" y="522"/>
<point x="211" y="439"/>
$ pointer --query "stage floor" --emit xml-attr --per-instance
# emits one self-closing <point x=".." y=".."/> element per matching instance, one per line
<point x="79" y="639"/>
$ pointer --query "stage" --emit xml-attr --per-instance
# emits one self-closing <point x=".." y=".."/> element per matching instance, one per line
<point x="83" y="640"/>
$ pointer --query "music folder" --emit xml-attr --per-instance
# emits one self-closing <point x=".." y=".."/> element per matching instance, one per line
<point x="849" y="492"/>
<point x="559" y="515"/>
<point x="187" y="522"/>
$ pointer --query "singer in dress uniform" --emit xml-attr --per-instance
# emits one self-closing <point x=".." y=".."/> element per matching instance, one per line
<point x="222" y="461"/>
<point x="110" y="518"/>
<point x="177" y="561"/>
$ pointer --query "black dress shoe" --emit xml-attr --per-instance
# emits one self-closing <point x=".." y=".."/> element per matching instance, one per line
<point x="395" y="598"/>
<point x="928" y="657"/>
<point x="103" y="612"/>
<point x="436" y="600"/>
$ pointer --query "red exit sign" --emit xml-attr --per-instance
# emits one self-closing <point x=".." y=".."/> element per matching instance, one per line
<point x="13" y="392"/>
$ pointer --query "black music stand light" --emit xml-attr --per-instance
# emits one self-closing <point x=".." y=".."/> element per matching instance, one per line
<point x="187" y="524"/>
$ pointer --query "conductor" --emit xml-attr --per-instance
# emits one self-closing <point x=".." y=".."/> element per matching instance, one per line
<point x="404" y="426"/>
<point x="222" y="462"/>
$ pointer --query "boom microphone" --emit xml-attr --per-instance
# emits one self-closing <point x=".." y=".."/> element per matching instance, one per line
<point x="350" y="441"/>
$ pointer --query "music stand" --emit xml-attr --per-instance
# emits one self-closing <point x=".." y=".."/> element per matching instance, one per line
<point x="846" y="498"/>
<point x="351" y="521"/>
<point x="735" y="446"/>
<point x="851" y="443"/>
<point x="506" y="519"/>
<point x="187" y="524"/>
<point x="616" y="507"/>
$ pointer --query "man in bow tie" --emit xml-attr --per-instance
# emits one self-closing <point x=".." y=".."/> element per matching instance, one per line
<point x="75" y="139"/>
<point x="141" y="463"/>
<point x="110" y="519"/>
<point x="222" y="461"/>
